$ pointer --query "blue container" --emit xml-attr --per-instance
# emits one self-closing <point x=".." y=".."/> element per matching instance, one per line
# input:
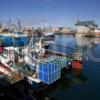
<point x="58" y="65"/>
<point x="40" y="67"/>
<point x="50" y="71"/>
<point x="40" y="75"/>
<point x="53" y="66"/>
<point x="59" y="74"/>
<point x="49" y="78"/>
<point x="18" y="41"/>
<point x="53" y="77"/>
<point x="47" y="68"/>
<point x="45" y="78"/>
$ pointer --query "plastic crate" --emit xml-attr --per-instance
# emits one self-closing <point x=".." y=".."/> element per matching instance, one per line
<point x="50" y="70"/>
<point x="49" y="78"/>
<point x="48" y="67"/>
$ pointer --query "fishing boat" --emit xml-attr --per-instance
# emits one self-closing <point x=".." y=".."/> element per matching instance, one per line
<point x="49" y="34"/>
<point x="16" y="41"/>
<point x="8" y="65"/>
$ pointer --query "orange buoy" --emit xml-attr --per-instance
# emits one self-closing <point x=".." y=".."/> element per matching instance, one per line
<point x="77" y="65"/>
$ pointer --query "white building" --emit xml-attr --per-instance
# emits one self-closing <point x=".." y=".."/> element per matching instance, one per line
<point x="85" y="27"/>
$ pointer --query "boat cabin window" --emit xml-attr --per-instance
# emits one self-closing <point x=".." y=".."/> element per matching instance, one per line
<point x="5" y="52"/>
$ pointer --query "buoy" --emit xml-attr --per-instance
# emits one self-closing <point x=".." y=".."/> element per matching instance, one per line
<point x="77" y="65"/>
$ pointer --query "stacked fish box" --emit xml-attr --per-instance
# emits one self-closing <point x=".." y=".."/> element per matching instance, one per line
<point x="49" y="71"/>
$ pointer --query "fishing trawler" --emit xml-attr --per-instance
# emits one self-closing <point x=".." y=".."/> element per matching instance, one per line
<point x="9" y="67"/>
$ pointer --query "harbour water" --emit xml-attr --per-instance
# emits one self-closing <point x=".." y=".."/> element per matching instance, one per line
<point x="78" y="84"/>
<point x="82" y="85"/>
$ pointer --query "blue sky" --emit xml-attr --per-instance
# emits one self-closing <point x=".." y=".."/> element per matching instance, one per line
<point x="51" y="12"/>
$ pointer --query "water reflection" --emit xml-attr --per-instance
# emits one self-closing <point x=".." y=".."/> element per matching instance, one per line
<point x="85" y="41"/>
<point x="89" y="47"/>
<point x="97" y="40"/>
<point x="63" y="41"/>
<point x="79" y="77"/>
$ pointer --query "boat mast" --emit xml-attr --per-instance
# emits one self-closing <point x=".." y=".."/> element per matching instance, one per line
<point x="13" y="53"/>
<point x="0" y="25"/>
<point x="19" y="25"/>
